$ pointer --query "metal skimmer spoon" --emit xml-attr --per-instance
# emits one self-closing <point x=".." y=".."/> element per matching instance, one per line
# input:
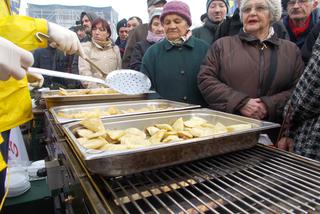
<point x="124" y="81"/>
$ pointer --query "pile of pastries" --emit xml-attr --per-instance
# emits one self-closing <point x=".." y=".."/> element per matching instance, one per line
<point x="93" y="135"/>
<point x="64" y="92"/>
<point x="97" y="112"/>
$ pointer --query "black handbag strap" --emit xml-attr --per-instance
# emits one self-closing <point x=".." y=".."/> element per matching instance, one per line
<point x="272" y="71"/>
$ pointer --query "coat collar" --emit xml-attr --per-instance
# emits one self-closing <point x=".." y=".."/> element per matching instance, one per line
<point x="189" y="44"/>
<point x="274" y="40"/>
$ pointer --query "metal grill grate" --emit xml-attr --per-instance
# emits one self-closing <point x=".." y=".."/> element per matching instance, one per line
<point x="258" y="180"/>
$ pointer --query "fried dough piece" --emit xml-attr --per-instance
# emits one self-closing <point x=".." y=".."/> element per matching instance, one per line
<point x="157" y="137"/>
<point x="185" y="135"/>
<point x="164" y="127"/>
<point x="194" y="122"/>
<point x="134" y="140"/>
<point x="152" y="130"/>
<point x="93" y="124"/>
<point x="115" y="134"/>
<point x="94" y="143"/>
<point x="84" y="132"/>
<point x="171" y="138"/>
<point x="220" y="129"/>
<point x="202" y="132"/>
<point x="113" y="111"/>
<point x="82" y="140"/>
<point x="178" y="125"/>
<point x="136" y="132"/>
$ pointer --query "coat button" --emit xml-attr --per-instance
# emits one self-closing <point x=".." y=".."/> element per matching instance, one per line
<point x="185" y="97"/>
<point x="182" y="72"/>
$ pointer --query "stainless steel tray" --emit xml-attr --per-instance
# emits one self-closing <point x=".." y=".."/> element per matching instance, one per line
<point x="116" y="163"/>
<point x="122" y="106"/>
<point x="53" y="98"/>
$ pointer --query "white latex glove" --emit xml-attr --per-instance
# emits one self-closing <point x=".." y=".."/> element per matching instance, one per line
<point x="35" y="80"/>
<point x="66" y="40"/>
<point x="13" y="60"/>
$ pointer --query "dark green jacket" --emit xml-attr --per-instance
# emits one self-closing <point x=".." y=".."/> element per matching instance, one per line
<point x="173" y="70"/>
<point x="206" y="32"/>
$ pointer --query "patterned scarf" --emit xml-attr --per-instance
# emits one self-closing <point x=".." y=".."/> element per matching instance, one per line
<point x="102" y="44"/>
<point x="183" y="39"/>
<point x="152" y="37"/>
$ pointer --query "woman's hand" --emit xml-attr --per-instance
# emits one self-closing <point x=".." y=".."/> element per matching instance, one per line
<point x="254" y="108"/>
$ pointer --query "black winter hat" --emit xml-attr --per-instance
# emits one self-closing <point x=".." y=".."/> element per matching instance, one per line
<point x="120" y="24"/>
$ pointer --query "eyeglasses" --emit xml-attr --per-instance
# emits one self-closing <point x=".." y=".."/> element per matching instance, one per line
<point x="257" y="8"/>
<point x="299" y="2"/>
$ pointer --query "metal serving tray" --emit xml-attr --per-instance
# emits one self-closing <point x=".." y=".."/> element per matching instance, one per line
<point x="116" y="163"/>
<point x="171" y="106"/>
<point x="53" y="98"/>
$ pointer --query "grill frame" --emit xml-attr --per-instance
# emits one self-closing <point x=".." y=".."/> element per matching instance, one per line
<point x="248" y="181"/>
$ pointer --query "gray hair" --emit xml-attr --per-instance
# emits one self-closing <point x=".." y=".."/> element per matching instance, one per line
<point x="274" y="6"/>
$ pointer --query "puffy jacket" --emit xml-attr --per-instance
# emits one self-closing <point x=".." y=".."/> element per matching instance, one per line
<point x="15" y="101"/>
<point x="108" y="59"/>
<point x="236" y="69"/>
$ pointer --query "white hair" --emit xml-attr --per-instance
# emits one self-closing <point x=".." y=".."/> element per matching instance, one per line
<point x="274" y="6"/>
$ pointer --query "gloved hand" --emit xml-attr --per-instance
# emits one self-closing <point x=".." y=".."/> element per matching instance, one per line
<point x="66" y="40"/>
<point x="35" y="80"/>
<point x="13" y="60"/>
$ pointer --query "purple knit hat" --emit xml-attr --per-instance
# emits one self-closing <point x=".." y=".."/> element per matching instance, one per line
<point x="179" y="8"/>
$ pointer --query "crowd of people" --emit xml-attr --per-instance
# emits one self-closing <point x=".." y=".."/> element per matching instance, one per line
<point x="262" y="62"/>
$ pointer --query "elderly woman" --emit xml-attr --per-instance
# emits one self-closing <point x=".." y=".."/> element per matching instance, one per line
<point x="252" y="73"/>
<point x="155" y="34"/>
<point x="173" y="64"/>
<point x="101" y="51"/>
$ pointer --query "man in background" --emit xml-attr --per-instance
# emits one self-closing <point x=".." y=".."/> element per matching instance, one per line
<point x="139" y="34"/>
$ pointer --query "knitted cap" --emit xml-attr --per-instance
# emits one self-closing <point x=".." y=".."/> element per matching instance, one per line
<point x="153" y="2"/>
<point x="179" y="8"/>
<point x="120" y="24"/>
<point x="155" y="12"/>
<point x="226" y="2"/>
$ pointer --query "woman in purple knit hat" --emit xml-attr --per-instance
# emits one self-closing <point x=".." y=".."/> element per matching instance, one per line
<point x="173" y="63"/>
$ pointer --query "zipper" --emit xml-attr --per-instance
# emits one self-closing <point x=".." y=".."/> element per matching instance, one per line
<point x="261" y="47"/>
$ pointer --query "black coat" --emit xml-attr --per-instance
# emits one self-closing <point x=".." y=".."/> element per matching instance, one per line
<point x="306" y="50"/>
<point x="231" y="26"/>
<point x="138" y="53"/>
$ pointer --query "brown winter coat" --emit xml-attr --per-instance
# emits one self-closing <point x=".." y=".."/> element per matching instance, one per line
<point x="230" y="73"/>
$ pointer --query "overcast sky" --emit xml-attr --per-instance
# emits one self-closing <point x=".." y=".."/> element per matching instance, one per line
<point x="125" y="8"/>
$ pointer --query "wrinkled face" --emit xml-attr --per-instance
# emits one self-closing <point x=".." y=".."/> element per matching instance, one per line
<point x="156" y="26"/>
<point x="175" y="26"/>
<point x="99" y="33"/>
<point x="217" y="11"/>
<point x="123" y="33"/>
<point x="256" y="17"/>
<point x="86" y="23"/>
<point x="132" y="24"/>
<point x="300" y="9"/>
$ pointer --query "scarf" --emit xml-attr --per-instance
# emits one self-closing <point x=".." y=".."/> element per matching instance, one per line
<point x="102" y="44"/>
<point x="180" y="41"/>
<point x="298" y="31"/>
<point x="153" y="38"/>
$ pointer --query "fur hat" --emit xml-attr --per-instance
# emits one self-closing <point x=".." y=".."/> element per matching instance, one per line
<point x="179" y="8"/>
<point x="155" y="12"/>
<point x="226" y="2"/>
<point x="120" y="24"/>
<point x="153" y="2"/>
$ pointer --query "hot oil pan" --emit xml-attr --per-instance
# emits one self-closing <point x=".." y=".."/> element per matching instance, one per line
<point x="116" y="163"/>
